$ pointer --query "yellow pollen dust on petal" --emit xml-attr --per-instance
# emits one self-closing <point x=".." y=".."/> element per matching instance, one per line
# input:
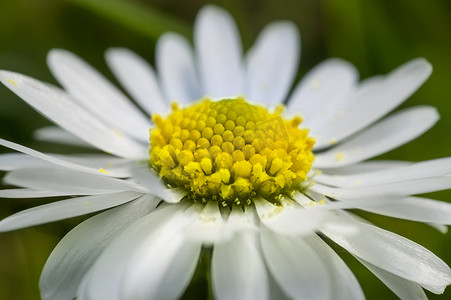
<point x="230" y="151"/>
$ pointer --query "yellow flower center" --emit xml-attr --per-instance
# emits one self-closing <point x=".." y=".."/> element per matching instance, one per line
<point x="230" y="151"/>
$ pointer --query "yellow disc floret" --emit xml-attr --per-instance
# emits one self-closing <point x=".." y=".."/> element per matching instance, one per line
<point x="230" y="151"/>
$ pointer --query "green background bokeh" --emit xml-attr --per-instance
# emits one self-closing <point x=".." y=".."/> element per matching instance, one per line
<point x="376" y="36"/>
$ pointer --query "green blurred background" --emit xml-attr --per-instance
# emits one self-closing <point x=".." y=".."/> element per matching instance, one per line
<point x="375" y="35"/>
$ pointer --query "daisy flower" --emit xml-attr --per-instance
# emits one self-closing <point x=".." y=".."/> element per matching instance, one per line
<point x="230" y="163"/>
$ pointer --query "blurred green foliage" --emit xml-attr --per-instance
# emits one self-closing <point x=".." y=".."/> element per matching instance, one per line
<point x="375" y="35"/>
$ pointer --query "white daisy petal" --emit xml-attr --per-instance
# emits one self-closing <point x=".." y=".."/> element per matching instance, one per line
<point x="415" y="209"/>
<point x="146" y="177"/>
<point x="296" y="267"/>
<point x="424" y="169"/>
<point x="97" y="94"/>
<point x="238" y="270"/>
<point x="219" y="53"/>
<point x="106" y="278"/>
<point x="366" y="167"/>
<point x="392" y="189"/>
<point x="95" y="164"/>
<point x="60" y="180"/>
<point x="29" y="193"/>
<point x="78" y="250"/>
<point x="209" y="226"/>
<point x="64" y="209"/>
<point x="392" y="253"/>
<point x="268" y="80"/>
<point x="404" y="289"/>
<point x="322" y="89"/>
<point x="175" y="63"/>
<point x="378" y="100"/>
<point x="344" y="284"/>
<point x="380" y="138"/>
<point x="287" y="220"/>
<point x="138" y="77"/>
<point x="58" y="107"/>
<point x="443" y="229"/>
<point x="58" y="135"/>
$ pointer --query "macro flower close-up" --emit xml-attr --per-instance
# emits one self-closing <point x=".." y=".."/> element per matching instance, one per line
<point x="222" y="156"/>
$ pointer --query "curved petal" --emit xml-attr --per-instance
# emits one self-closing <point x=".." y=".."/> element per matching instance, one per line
<point x="64" y="209"/>
<point x="378" y="99"/>
<point x="423" y="169"/>
<point x="392" y="132"/>
<point x="344" y="284"/>
<point x="272" y="63"/>
<point x="175" y="63"/>
<point x="404" y="289"/>
<point x="138" y="77"/>
<point x="296" y="267"/>
<point x="78" y="250"/>
<point x="61" y="180"/>
<point x="238" y="270"/>
<point x="58" y="135"/>
<point x="97" y="94"/>
<point x="322" y="90"/>
<point x="219" y="53"/>
<point x="57" y="106"/>
<point x="391" y="252"/>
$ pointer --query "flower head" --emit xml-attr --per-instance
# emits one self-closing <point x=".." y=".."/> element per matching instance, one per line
<point x="228" y="164"/>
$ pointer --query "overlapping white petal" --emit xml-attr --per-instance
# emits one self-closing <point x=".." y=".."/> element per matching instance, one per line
<point x="65" y="209"/>
<point x="296" y="267"/>
<point x="268" y="80"/>
<point x="375" y="101"/>
<point x="97" y="94"/>
<point x="322" y="90"/>
<point x="57" y="106"/>
<point x="178" y="74"/>
<point x="238" y="270"/>
<point x="138" y="78"/>
<point x="391" y="252"/>
<point x="79" y="249"/>
<point x="58" y="135"/>
<point x="380" y="138"/>
<point x="404" y="289"/>
<point x="61" y="180"/>
<point x="219" y="53"/>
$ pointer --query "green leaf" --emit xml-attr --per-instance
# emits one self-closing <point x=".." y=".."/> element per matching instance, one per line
<point x="140" y="18"/>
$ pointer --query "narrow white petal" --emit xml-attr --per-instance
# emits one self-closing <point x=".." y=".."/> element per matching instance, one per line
<point x="60" y="180"/>
<point x="424" y="169"/>
<point x="404" y="289"/>
<point x="97" y="94"/>
<point x="219" y="53"/>
<point x="272" y="63"/>
<point x="390" y="133"/>
<point x="381" y="97"/>
<point x="388" y="190"/>
<point x="138" y="78"/>
<point x="29" y="193"/>
<point x="58" y="135"/>
<point x="415" y="209"/>
<point x="323" y="89"/>
<point x="112" y="166"/>
<point x="175" y="63"/>
<point x="296" y="267"/>
<point x="61" y="109"/>
<point x="392" y="253"/>
<point x="238" y="270"/>
<point x="439" y="227"/>
<point x="64" y="209"/>
<point x="78" y="250"/>
<point x="344" y="284"/>
<point x="289" y="220"/>
<point x="367" y="167"/>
